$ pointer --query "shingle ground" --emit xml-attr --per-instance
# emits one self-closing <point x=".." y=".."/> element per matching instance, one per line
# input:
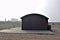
<point x="20" y="36"/>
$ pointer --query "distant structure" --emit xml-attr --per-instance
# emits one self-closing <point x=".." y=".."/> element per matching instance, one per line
<point x="5" y="19"/>
<point x="35" y="22"/>
<point x="14" y="19"/>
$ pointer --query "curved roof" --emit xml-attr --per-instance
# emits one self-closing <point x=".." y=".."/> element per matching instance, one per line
<point x="34" y="14"/>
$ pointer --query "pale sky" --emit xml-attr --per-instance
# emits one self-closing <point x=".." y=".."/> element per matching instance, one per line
<point x="18" y="8"/>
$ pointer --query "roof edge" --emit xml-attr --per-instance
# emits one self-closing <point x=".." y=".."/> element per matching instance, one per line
<point x="34" y="14"/>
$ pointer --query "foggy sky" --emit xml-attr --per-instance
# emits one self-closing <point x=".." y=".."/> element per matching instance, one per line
<point x="18" y="8"/>
<point x="53" y="10"/>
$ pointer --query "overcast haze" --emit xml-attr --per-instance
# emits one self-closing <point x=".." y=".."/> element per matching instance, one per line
<point x="18" y="8"/>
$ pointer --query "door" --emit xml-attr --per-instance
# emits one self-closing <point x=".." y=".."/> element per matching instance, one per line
<point x="35" y="23"/>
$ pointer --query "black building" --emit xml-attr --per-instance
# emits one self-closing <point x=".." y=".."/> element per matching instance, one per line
<point x="35" y="22"/>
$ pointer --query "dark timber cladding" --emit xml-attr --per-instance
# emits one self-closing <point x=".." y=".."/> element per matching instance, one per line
<point x="35" y="22"/>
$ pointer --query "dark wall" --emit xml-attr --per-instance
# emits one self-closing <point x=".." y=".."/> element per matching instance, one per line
<point x="34" y="22"/>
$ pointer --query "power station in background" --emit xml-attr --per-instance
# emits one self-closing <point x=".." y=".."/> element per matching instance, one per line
<point x="14" y="19"/>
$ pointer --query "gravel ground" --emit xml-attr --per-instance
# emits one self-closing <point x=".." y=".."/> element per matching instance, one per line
<point x="17" y="36"/>
<point x="26" y="36"/>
